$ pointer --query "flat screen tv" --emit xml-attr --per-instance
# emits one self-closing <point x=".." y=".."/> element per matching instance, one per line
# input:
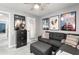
<point x="2" y="27"/>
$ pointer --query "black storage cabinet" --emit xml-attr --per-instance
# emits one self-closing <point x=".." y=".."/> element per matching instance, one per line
<point x="21" y="38"/>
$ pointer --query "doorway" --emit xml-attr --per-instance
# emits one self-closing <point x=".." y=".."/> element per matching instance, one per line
<point x="4" y="29"/>
<point x="31" y="29"/>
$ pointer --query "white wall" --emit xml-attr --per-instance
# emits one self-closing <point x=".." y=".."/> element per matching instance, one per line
<point x="58" y="12"/>
<point x="12" y="32"/>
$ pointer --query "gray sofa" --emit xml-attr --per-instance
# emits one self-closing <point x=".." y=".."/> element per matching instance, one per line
<point x="69" y="49"/>
<point x="54" y="41"/>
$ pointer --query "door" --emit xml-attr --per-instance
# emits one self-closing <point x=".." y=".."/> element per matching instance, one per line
<point x="31" y="28"/>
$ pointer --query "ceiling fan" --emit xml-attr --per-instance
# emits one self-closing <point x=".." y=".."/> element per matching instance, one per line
<point x="38" y="6"/>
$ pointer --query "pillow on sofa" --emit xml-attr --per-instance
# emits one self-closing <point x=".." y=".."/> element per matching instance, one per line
<point x="71" y="43"/>
<point x="45" y="35"/>
<point x="72" y="40"/>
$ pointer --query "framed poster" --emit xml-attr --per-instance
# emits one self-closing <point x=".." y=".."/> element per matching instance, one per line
<point x="19" y="22"/>
<point x="54" y="23"/>
<point x="45" y="23"/>
<point x="68" y="21"/>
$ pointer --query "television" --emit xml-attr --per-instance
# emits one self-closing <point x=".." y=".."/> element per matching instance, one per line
<point x="2" y="27"/>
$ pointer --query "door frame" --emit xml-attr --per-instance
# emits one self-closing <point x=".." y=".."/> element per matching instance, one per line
<point x="8" y="27"/>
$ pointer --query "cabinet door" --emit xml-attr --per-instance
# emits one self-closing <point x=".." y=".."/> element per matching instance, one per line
<point x="21" y="38"/>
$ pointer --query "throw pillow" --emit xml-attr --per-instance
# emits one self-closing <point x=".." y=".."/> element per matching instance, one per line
<point x="71" y="43"/>
<point x="72" y="40"/>
<point x="45" y="35"/>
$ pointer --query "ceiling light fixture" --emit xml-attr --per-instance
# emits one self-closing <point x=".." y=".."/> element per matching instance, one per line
<point x="36" y="6"/>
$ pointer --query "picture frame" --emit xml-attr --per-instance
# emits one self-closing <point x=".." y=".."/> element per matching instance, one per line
<point x="19" y="22"/>
<point x="45" y="23"/>
<point x="68" y="21"/>
<point x="54" y="22"/>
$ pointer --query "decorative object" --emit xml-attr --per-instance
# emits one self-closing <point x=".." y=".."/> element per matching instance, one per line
<point x="54" y="23"/>
<point x="19" y="22"/>
<point x="68" y="21"/>
<point x="45" y="23"/>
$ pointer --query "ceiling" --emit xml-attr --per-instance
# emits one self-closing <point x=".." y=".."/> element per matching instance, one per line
<point x="50" y="7"/>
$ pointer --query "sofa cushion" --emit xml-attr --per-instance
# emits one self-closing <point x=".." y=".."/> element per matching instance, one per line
<point x="55" y="43"/>
<point x="42" y="47"/>
<point x="44" y="40"/>
<point x="57" y="36"/>
<point x="51" y="42"/>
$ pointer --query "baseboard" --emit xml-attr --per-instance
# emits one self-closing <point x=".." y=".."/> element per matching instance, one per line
<point x="11" y="46"/>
